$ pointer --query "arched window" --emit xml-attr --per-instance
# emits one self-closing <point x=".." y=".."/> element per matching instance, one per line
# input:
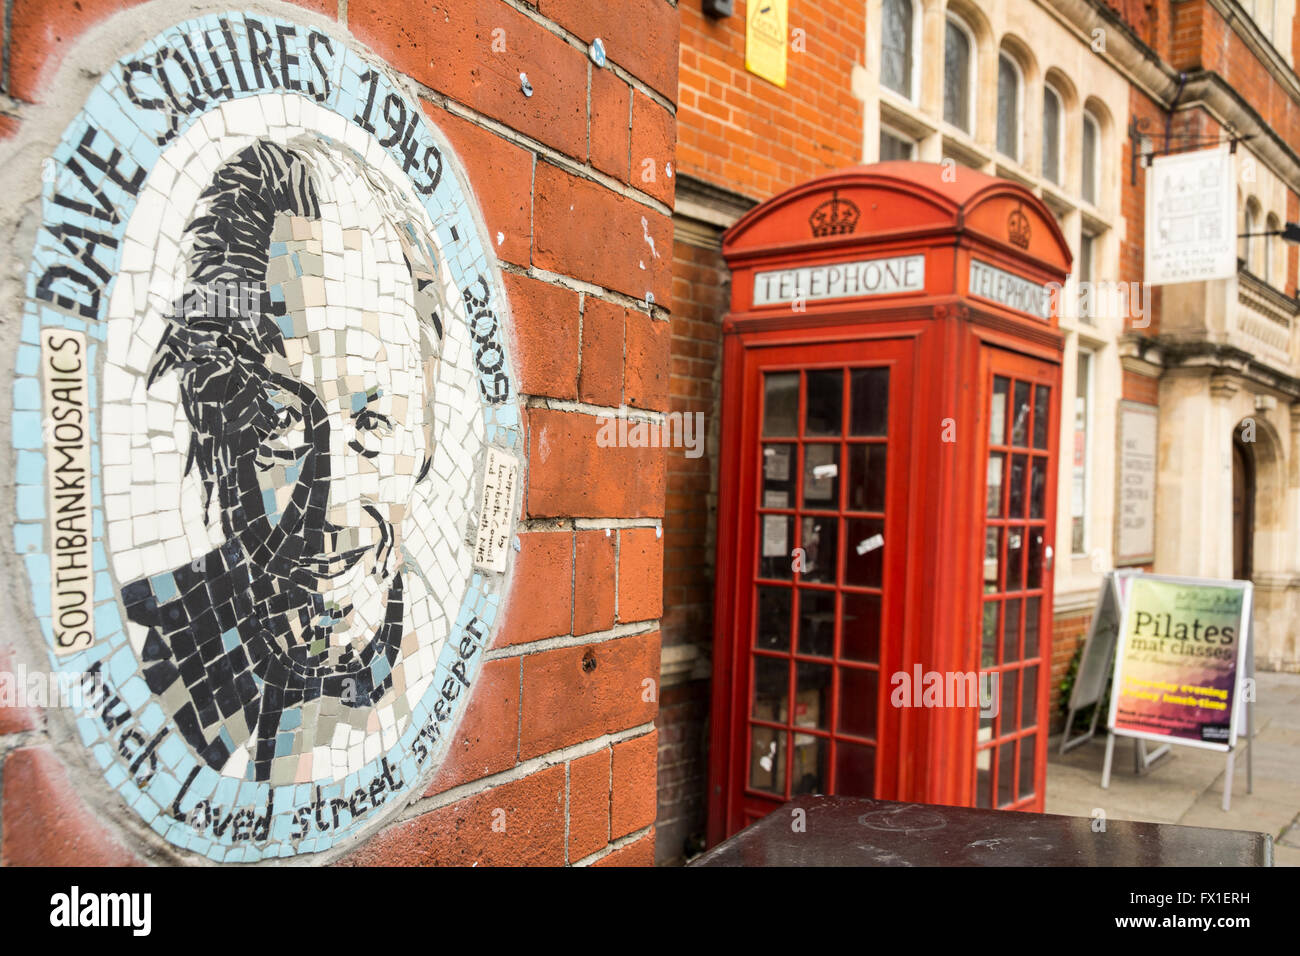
<point x="1091" y="157"/>
<point x="1051" y="134"/>
<point x="1008" y="107"/>
<point x="1249" y="226"/>
<point x="958" y="74"/>
<point x="1271" y="224"/>
<point x="897" y="43"/>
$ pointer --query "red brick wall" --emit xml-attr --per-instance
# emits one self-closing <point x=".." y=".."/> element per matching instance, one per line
<point x="559" y="731"/>
<point x="1067" y="634"/>
<point x="1140" y="388"/>
<point x="751" y="136"/>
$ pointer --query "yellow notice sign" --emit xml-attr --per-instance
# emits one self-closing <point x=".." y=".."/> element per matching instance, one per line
<point x="765" y="33"/>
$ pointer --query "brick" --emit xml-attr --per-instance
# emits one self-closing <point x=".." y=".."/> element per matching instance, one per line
<point x="593" y="582"/>
<point x="540" y="589"/>
<point x="567" y="700"/>
<point x="487" y="739"/>
<point x="582" y="229"/>
<point x="635" y="34"/>
<point x="45" y="821"/>
<point x="15" y="719"/>
<point x="546" y="331"/>
<point x="609" y="134"/>
<point x="646" y="376"/>
<point x="601" y="380"/>
<point x="449" y="47"/>
<point x="43" y="32"/>
<point x="569" y="475"/>
<point x="637" y="853"/>
<point x="8" y="126"/>
<point x="640" y="574"/>
<point x="588" y="804"/>
<point x="462" y="833"/>
<point x="632" y="792"/>
<point x="654" y="136"/>
<point x="501" y="179"/>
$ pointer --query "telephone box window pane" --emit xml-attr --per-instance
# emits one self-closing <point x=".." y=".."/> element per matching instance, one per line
<point x="816" y="622"/>
<point x="1016" y="503"/>
<point x="1042" y="409"/>
<point x="984" y="778"/>
<point x="855" y="770"/>
<point x="810" y="755"/>
<point x="778" y="476"/>
<point x="812" y="702"/>
<point x="777" y="533"/>
<point x="773" y="632"/>
<point x="771" y="688"/>
<point x="825" y="403"/>
<point x="1029" y="697"/>
<point x="1006" y="765"/>
<point x="998" y="412"/>
<point x="1038" y="488"/>
<point x="869" y="396"/>
<point x="1034" y="560"/>
<point x="821" y="470"/>
<point x="767" y="760"/>
<point x="1015" y="558"/>
<point x="867" y="477"/>
<point x="992" y="547"/>
<point x="780" y="404"/>
<point x="996" y="463"/>
<point x="858" y="695"/>
<point x="1027" y="747"/>
<point x="1008" y="694"/>
<point x="989" y="635"/>
<point x="860" y="627"/>
<point x="1011" y="631"/>
<point x="864" y="549"/>
<point x="818" y="544"/>
<point x="1020" y="415"/>
<point x="1031" y="627"/>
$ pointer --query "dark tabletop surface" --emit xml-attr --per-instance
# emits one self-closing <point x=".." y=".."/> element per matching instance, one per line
<point x="853" y="831"/>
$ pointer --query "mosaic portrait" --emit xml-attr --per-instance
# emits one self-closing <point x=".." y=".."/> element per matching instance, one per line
<point x="300" y="443"/>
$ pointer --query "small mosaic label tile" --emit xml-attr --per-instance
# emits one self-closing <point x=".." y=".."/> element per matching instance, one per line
<point x="269" y="452"/>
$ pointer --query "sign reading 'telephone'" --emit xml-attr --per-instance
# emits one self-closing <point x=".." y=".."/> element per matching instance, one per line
<point x="840" y="280"/>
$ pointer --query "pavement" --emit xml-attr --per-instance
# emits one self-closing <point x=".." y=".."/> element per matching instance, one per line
<point x="1186" y="786"/>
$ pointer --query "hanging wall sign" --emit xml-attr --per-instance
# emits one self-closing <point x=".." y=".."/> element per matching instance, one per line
<point x="1191" y="217"/>
<point x="267" y="436"/>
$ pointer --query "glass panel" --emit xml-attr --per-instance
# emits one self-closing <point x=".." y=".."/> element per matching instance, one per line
<point x="1031" y="627"/>
<point x="778" y="476"/>
<point x="1042" y="415"/>
<point x="821" y="481"/>
<point x="992" y="547"/>
<point x="773" y="630"/>
<point x="810" y="757"/>
<point x="1038" y="488"/>
<point x="1051" y="135"/>
<point x="1020" y="415"/>
<point x="989" y="688"/>
<point x="1008" y="695"/>
<point x="869" y="397"/>
<point x="998" y="411"/>
<point x="984" y="778"/>
<point x="1034" y="560"/>
<point x="818" y="543"/>
<point x="1025" y="787"/>
<point x="855" y="769"/>
<point x="825" y="403"/>
<point x="956" y="77"/>
<point x="864" y="550"/>
<point x="1011" y="631"/>
<point x="997" y="461"/>
<point x="1008" y="108"/>
<point x="894" y="147"/>
<point x="777" y="533"/>
<point x="1006" y="765"/>
<point x="1029" y="697"/>
<point x="1015" y="555"/>
<point x="812" y="702"/>
<point x="867" y="477"/>
<point x="771" y="688"/>
<point x="858" y="697"/>
<point x="860" y="627"/>
<point x="989" y="635"/>
<point x="816" y="622"/>
<point x="896" y="46"/>
<point x="1016" y="495"/>
<point x="767" y="760"/>
<point x="1089" y="161"/>
<point x="780" y="404"/>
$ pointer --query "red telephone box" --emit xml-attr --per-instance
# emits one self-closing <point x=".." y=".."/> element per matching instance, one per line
<point x="887" y="496"/>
